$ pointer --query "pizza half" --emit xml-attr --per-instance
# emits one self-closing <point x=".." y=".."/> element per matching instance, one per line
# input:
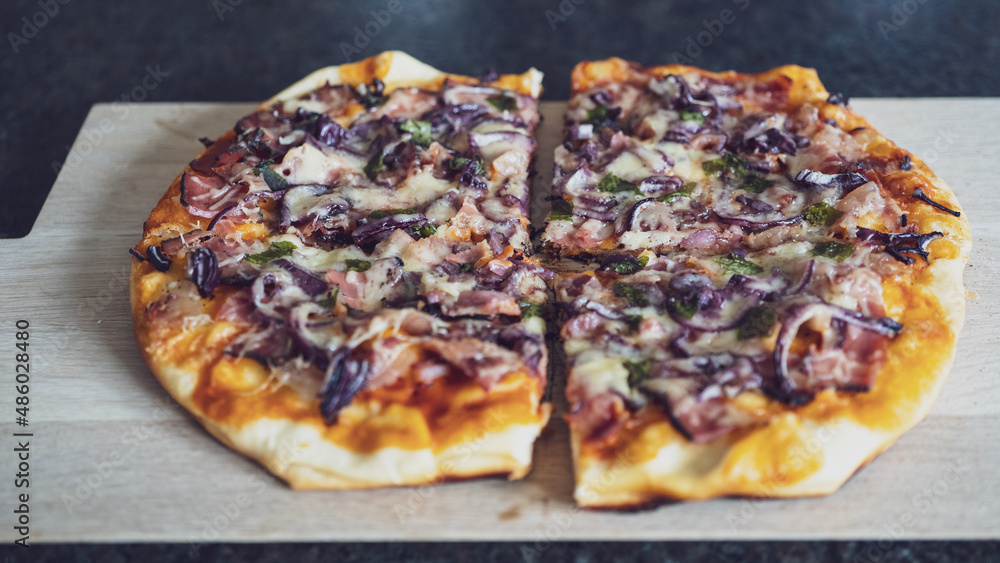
<point x="773" y="293"/>
<point x="342" y="287"/>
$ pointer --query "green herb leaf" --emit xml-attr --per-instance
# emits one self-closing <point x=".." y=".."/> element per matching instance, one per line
<point x="424" y="231"/>
<point x="562" y="210"/>
<point x="466" y="267"/>
<point x="529" y="309"/>
<point x="274" y="180"/>
<point x="734" y="264"/>
<point x="684" y="191"/>
<point x="330" y="300"/>
<point x="612" y="183"/>
<point x="822" y="214"/>
<point x="754" y="184"/>
<point x="628" y="265"/>
<point x="355" y="265"/>
<point x="374" y="166"/>
<point x="729" y="162"/>
<point x="383" y="213"/>
<point x="479" y="167"/>
<point x="757" y="323"/>
<point x="277" y="250"/>
<point x="633" y="294"/>
<point x="504" y="102"/>
<point x="305" y="123"/>
<point x="633" y="321"/>
<point x="686" y="308"/>
<point x="695" y="116"/>
<point x="420" y="131"/>
<point x="637" y="371"/>
<point x="598" y="115"/>
<point x="371" y="94"/>
<point x="838" y="251"/>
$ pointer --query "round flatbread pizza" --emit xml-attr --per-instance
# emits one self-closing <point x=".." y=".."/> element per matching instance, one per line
<point x="342" y="286"/>
<point x="774" y="290"/>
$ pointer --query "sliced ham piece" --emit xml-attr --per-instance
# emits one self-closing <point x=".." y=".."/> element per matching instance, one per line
<point x="481" y="302"/>
<point x="481" y="361"/>
<point x="206" y="196"/>
<point x="237" y="308"/>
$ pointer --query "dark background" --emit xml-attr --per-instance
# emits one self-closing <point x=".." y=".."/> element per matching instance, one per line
<point x="247" y="50"/>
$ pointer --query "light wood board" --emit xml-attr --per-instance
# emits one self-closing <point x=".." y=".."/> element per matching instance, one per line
<point x="114" y="459"/>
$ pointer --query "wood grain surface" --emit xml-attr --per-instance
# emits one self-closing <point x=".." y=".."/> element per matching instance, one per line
<point x="114" y="459"/>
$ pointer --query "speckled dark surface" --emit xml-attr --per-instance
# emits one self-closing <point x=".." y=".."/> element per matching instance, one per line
<point x="246" y="50"/>
<point x="639" y="552"/>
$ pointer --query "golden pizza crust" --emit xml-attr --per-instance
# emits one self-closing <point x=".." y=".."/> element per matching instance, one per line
<point x="390" y="443"/>
<point x="811" y="450"/>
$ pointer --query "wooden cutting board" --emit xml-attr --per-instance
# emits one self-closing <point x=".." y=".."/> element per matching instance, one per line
<point x="112" y="458"/>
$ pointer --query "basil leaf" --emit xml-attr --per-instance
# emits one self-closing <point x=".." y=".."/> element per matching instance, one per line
<point x="637" y="371"/>
<point x="460" y="161"/>
<point x="374" y="166"/>
<point x="504" y="102"/>
<point x="330" y="300"/>
<point x="598" y="115"/>
<point x="754" y="184"/>
<point x="628" y="265"/>
<point x="612" y="183"/>
<point x="277" y="250"/>
<point x="355" y="265"/>
<point x="729" y="162"/>
<point x="383" y="213"/>
<point x="684" y="191"/>
<point x="633" y="321"/>
<point x="822" y="214"/>
<point x="420" y="131"/>
<point x="529" y="309"/>
<point x="686" y="308"/>
<point x="633" y="294"/>
<point x="757" y="323"/>
<point x="734" y="264"/>
<point x="695" y="116"/>
<point x="838" y="251"/>
<point x="423" y="231"/>
<point x="371" y="94"/>
<point x="562" y="210"/>
<point x="274" y="180"/>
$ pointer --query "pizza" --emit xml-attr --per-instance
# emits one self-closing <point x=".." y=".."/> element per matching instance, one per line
<point x="756" y="293"/>
<point x="768" y="293"/>
<point x="342" y="287"/>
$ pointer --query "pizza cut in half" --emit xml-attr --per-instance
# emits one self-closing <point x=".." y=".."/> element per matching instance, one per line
<point x="774" y="290"/>
<point x="342" y="287"/>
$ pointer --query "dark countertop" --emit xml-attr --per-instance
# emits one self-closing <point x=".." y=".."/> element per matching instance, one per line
<point x="887" y="551"/>
<point x="246" y="50"/>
